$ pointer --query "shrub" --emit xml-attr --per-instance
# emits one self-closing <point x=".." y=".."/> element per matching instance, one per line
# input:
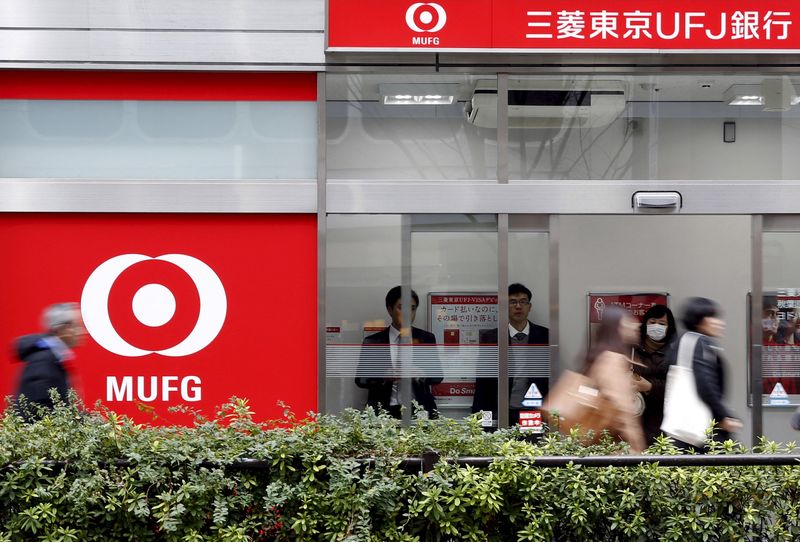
<point x="98" y="476"/>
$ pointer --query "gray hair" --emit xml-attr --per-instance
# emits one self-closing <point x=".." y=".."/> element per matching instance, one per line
<point x="59" y="314"/>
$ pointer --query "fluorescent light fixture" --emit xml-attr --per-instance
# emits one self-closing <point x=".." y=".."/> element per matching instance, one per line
<point x="418" y="93"/>
<point x="744" y="95"/>
<point x="773" y="95"/>
<point x="747" y="100"/>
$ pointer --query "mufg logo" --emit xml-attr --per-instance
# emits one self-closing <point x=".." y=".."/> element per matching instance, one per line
<point x="425" y="17"/>
<point x="134" y="305"/>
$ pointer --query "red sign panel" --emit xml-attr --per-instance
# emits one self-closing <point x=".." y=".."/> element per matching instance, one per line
<point x="636" y="304"/>
<point x="591" y="25"/>
<point x="179" y="309"/>
<point x="144" y="85"/>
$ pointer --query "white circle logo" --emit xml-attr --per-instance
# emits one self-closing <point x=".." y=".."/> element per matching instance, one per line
<point x="426" y="17"/>
<point x="153" y="305"/>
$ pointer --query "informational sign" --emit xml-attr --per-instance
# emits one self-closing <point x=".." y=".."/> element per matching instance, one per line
<point x="563" y="25"/>
<point x="780" y="361"/>
<point x="636" y="304"/>
<point x="533" y="397"/>
<point x="179" y="309"/>
<point x="457" y="320"/>
<point x="333" y="335"/>
<point x="531" y="421"/>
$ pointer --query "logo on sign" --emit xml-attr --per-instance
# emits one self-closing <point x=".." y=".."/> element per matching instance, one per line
<point x="139" y="293"/>
<point x="426" y="17"/>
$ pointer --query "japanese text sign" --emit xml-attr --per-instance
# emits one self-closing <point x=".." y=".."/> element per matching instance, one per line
<point x="563" y="25"/>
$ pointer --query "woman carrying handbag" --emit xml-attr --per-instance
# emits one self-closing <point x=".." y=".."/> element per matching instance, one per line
<point x="610" y="368"/>
<point x="691" y="404"/>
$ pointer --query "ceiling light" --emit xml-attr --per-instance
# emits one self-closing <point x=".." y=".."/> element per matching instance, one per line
<point x="418" y="93"/>
<point x="773" y="95"/>
<point x="744" y="95"/>
<point x="747" y="100"/>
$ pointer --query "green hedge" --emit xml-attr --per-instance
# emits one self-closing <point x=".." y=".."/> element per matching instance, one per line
<point x="124" y="481"/>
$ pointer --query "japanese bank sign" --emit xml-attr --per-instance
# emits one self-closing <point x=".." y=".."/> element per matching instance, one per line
<point x="563" y="25"/>
<point x="179" y="309"/>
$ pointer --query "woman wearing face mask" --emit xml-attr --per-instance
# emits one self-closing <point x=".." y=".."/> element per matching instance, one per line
<point x="650" y="375"/>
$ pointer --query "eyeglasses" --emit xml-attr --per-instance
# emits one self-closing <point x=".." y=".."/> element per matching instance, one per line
<point x="518" y="302"/>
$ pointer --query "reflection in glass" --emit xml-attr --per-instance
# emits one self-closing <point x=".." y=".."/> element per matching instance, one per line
<point x="453" y="268"/>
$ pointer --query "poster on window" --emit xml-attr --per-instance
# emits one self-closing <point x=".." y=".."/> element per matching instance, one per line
<point x="636" y="304"/>
<point x="780" y="358"/>
<point x="457" y="321"/>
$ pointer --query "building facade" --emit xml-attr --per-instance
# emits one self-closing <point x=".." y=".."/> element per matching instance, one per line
<point x="231" y="188"/>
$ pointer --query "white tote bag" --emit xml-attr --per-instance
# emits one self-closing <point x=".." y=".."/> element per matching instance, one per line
<point x="686" y="416"/>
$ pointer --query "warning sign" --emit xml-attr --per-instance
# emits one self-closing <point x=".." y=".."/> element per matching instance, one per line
<point x="778" y="395"/>
<point x="533" y="397"/>
<point x="533" y="392"/>
<point x="530" y="420"/>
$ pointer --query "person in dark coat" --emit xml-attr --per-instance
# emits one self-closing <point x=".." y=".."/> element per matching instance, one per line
<point x="702" y="315"/>
<point x="48" y="357"/>
<point x="650" y="373"/>
<point x="521" y="332"/>
<point x="381" y="356"/>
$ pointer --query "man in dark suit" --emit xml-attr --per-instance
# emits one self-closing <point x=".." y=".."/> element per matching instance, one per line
<point x="382" y="357"/>
<point x="521" y="331"/>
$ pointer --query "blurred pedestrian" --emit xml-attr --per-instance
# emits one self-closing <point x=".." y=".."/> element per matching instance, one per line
<point x="48" y="357"/>
<point x="607" y="363"/>
<point x="702" y="316"/>
<point x="650" y="373"/>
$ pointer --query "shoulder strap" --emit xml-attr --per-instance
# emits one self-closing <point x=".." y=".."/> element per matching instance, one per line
<point x="686" y="349"/>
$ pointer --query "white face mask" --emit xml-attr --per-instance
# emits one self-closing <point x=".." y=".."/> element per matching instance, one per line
<point x="657" y="332"/>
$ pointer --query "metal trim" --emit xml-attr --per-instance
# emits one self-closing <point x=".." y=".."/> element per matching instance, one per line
<point x="157" y="196"/>
<point x="406" y="268"/>
<point x="503" y="389"/>
<point x="159" y="47"/>
<point x="322" y="240"/>
<point x="531" y="51"/>
<point x="756" y="333"/>
<point x="502" y="128"/>
<point x="555" y="325"/>
<point x="176" y="14"/>
<point x="557" y="197"/>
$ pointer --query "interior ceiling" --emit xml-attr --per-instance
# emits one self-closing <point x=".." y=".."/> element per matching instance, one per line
<point x="672" y="88"/>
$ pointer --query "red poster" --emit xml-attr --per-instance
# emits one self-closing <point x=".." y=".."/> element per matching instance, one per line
<point x="636" y="304"/>
<point x="564" y="25"/>
<point x="179" y="309"/>
<point x="780" y="358"/>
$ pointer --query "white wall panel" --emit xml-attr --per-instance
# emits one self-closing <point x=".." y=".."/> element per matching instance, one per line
<point x="288" y="34"/>
<point x="274" y="15"/>
<point x="61" y="46"/>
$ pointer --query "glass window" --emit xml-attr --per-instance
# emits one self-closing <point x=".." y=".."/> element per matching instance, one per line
<point x="450" y="262"/>
<point x="671" y="127"/>
<point x="780" y="322"/>
<point x="410" y="127"/>
<point x="158" y="139"/>
<point x="529" y="318"/>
